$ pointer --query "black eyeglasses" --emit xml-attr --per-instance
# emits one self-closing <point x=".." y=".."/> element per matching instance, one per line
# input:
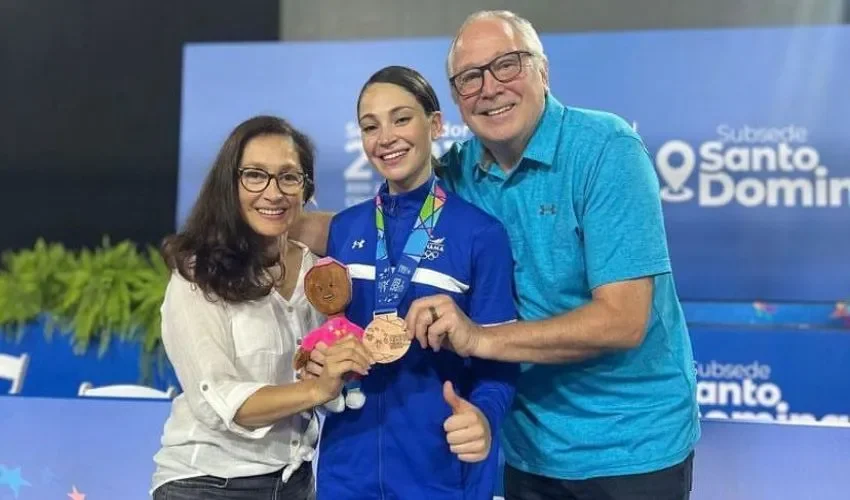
<point x="504" y="68"/>
<point x="256" y="180"/>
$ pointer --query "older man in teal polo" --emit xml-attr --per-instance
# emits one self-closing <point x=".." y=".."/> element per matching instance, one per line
<point x="606" y="404"/>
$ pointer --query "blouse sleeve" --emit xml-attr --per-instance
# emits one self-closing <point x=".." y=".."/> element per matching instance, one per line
<point x="197" y="338"/>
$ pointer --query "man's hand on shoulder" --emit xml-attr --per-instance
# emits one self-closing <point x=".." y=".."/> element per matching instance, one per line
<point x="312" y="230"/>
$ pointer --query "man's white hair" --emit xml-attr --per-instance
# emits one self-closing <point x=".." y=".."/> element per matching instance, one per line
<point x="528" y="35"/>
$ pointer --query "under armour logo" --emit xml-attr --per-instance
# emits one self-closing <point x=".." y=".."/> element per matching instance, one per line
<point x="550" y="209"/>
<point x="358" y="244"/>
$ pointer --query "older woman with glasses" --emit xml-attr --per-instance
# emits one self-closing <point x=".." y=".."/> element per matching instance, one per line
<point x="234" y="312"/>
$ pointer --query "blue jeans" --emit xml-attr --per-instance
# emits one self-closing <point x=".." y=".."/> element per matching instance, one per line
<point x="266" y="487"/>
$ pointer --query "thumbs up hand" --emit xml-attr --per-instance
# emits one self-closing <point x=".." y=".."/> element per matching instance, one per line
<point x="467" y="430"/>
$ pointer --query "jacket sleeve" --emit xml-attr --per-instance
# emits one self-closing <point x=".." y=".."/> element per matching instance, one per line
<point x="492" y="388"/>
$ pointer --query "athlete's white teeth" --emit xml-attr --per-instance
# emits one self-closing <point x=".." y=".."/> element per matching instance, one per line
<point x="270" y="211"/>
<point x="499" y="111"/>
<point x="393" y="156"/>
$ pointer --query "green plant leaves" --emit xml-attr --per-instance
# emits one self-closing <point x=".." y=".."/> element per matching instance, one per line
<point x="147" y="291"/>
<point x="91" y="294"/>
<point x="28" y="284"/>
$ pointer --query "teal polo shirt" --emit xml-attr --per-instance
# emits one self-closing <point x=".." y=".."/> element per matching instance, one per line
<point x="582" y="210"/>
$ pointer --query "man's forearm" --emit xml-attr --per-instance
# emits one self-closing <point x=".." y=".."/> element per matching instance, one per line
<point x="312" y="229"/>
<point x="584" y="333"/>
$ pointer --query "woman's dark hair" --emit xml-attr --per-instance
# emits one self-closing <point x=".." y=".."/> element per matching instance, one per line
<point x="412" y="81"/>
<point x="217" y="250"/>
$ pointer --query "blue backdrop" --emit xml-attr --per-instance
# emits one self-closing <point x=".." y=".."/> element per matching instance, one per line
<point x="746" y="127"/>
<point x="56" y="371"/>
<point x="748" y="88"/>
<point x="103" y="449"/>
<point x="765" y="372"/>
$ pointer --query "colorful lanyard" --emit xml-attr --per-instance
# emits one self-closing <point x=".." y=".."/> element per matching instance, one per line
<point x="391" y="286"/>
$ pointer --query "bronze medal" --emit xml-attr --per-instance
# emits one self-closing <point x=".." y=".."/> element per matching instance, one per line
<point x="386" y="338"/>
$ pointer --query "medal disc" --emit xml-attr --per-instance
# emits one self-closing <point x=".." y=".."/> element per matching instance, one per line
<point x="386" y="338"/>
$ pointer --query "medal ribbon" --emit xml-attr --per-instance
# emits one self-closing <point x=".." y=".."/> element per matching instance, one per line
<point x="391" y="285"/>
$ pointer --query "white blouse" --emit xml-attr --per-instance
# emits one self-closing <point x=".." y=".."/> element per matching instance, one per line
<point x="222" y="353"/>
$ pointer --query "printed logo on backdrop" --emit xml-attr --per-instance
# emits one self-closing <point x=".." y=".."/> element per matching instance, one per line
<point x="746" y="392"/>
<point x="361" y="181"/>
<point x="750" y="166"/>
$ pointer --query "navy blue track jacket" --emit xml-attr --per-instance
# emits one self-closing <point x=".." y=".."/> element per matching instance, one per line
<point x="395" y="446"/>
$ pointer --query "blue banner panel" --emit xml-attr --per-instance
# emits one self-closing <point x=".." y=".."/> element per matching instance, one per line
<point x="103" y="449"/>
<point x="747" y="128"/>
<point x="54" y="370"/>
<point x="773" y="375"/>
<point x="761" y="372"/>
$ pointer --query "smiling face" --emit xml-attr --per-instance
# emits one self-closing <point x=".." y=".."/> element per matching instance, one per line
<point x="328" y="287"/>
<point x="397" y="135"/>
<point x="501" y="114"/>
<point x="271" y="210"/>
